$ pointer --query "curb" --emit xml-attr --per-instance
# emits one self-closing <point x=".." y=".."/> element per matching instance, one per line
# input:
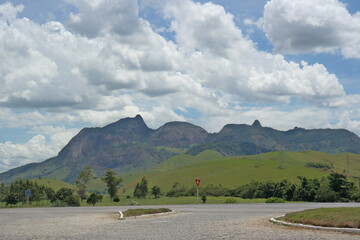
<point x="121" y="215"/>
<point x="299" y="225"/>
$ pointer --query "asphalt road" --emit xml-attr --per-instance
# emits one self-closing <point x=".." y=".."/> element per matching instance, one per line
<point x="238" y="221"/>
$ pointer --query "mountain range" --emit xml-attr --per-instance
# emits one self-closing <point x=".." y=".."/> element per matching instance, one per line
<point x="130" y="145"/>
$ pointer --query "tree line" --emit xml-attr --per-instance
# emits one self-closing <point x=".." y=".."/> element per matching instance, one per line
<point x="334" y="188"/>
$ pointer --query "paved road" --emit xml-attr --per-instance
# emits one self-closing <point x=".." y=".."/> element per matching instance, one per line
<point x="240" y="221"/>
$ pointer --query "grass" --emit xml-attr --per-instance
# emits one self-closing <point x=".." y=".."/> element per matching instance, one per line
<point x="142" y="211"/>
<point x="146" y="201"/>
<point x="327" y="217"/>
<point x="212" y="168"/>
<point x="170" y="201"/>
<point x="53" y="183"/>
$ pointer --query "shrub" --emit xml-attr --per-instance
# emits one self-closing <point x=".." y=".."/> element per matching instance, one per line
<point x="326" y="166"/>
<point x="203" y="198"/>
<point x="275" y="200"/>
<point x="133" y="203"/>
<point x="230" y="200"/>
<point x="72" y="201"/>
<point x="116" y="199"/>
<point x="94" y="198"/>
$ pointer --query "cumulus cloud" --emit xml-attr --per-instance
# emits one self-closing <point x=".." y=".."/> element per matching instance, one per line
<point x="37" y="149"/>
<point x="220" y="56"/>
<point x="106" y="63"/>
<point x="304" y="26"/>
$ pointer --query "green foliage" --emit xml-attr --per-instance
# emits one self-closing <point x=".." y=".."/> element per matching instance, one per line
<point x="116" y="199"/>
<point x="17" y="190"/>
<point x="94" y="198"/>
<point x="65" y="197"/>
<point x="141" y="189"/>
<point x="326" y="166"/>
<point x="231" y="201"/>
<point x="341" y="186"/>
<point x="83" y="180"/>
<point x="275" y="200"/>
<point x="11" y="199"/>
<point x="4" y="191"/>
<point x="178" y="190"/>
<point x="112" y="182"/>
<point x="156" y="191"/>
<point x="203" y="198"/>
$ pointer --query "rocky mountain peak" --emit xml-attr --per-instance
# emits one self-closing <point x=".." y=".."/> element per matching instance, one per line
<point x="256" y="123"/>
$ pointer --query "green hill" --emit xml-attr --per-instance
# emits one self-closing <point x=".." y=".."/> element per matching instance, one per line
<point x="129" y="145"/>
<point x="212" y="168"/>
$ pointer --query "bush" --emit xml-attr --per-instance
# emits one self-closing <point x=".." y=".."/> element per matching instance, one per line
<point x="116" y="199"/>
<point x="326" y="166"/>
<point x="203" y="198"/>
<point x="72" y="201"/>
<point x="132" y="203"/>
<point x="230" y="200"/>
<point x="275" y="200"/>
<point x="94" y="198"/>
<point x="11" y="200"/>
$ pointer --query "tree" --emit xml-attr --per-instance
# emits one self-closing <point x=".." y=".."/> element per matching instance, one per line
<point x="4" y="191"/>
<point x="156" y="191"/>
<point x="141" y="189"/>
<point x="112" y="182"/>
<point x="341" y="186"/>
<point x="94" y="198"/>
<point x="65" y="196"/>
<point x="11" y="199"/>
<point x="82" y="180"/>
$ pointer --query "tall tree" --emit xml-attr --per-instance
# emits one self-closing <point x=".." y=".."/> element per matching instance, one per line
<point x="112" y="182"/>
<point x="141" y="189"/>
<point x="82" y="180"/>
<point x="156" y="191"/>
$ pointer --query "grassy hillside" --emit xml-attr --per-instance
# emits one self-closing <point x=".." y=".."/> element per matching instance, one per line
<point x="53" y="183"/>
<point x="212" y="168"/>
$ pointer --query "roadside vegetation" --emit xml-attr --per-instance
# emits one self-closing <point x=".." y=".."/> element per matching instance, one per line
<point x="333" y="188"/>
<point x="327" y="217"/>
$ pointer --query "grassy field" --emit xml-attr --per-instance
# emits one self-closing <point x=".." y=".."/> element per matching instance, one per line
<point x="327" y="217"/>
<point x="212" y="168"/>
<point x="53" y="183"/>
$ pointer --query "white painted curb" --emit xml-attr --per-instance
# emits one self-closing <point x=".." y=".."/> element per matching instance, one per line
<point x="346" y="230"/>
<point x="121" y="215"/>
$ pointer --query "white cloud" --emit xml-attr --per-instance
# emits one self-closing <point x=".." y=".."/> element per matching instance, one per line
<point x="107" y="63"/>
<point x="303" y="26"/>
<point x="37" y="149"/>
<point x="219" y="56"/>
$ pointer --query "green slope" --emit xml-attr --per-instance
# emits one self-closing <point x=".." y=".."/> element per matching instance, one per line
<point x="237" y="171"/>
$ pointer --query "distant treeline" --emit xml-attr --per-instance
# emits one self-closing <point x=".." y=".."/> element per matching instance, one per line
<point x="334" y="188"/>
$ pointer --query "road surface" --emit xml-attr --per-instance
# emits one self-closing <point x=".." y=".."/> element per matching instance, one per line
<point x="231" y="221"/>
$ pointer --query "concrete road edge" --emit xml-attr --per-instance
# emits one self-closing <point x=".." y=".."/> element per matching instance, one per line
<point x="299" y="225"/>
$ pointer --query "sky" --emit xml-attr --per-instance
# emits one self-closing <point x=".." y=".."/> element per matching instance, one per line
<point x="70" y="64"/>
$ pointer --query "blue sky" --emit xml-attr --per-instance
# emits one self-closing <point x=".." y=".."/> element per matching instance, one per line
<point x="69" y="64"/>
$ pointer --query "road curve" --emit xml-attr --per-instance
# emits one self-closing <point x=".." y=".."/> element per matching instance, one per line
<point x="238" y="221"/>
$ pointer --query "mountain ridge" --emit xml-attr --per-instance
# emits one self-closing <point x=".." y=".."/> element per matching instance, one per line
<point x="130" y="145"/>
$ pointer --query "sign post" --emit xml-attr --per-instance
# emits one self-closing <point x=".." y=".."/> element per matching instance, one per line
<point x="27" y="194"/>
<point x="197" y="181"/>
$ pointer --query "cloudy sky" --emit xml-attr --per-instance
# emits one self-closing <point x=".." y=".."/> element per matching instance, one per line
<point x="69" y="64"/>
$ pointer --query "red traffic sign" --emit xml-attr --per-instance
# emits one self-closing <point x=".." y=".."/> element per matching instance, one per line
<point x="197" y="182"/>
